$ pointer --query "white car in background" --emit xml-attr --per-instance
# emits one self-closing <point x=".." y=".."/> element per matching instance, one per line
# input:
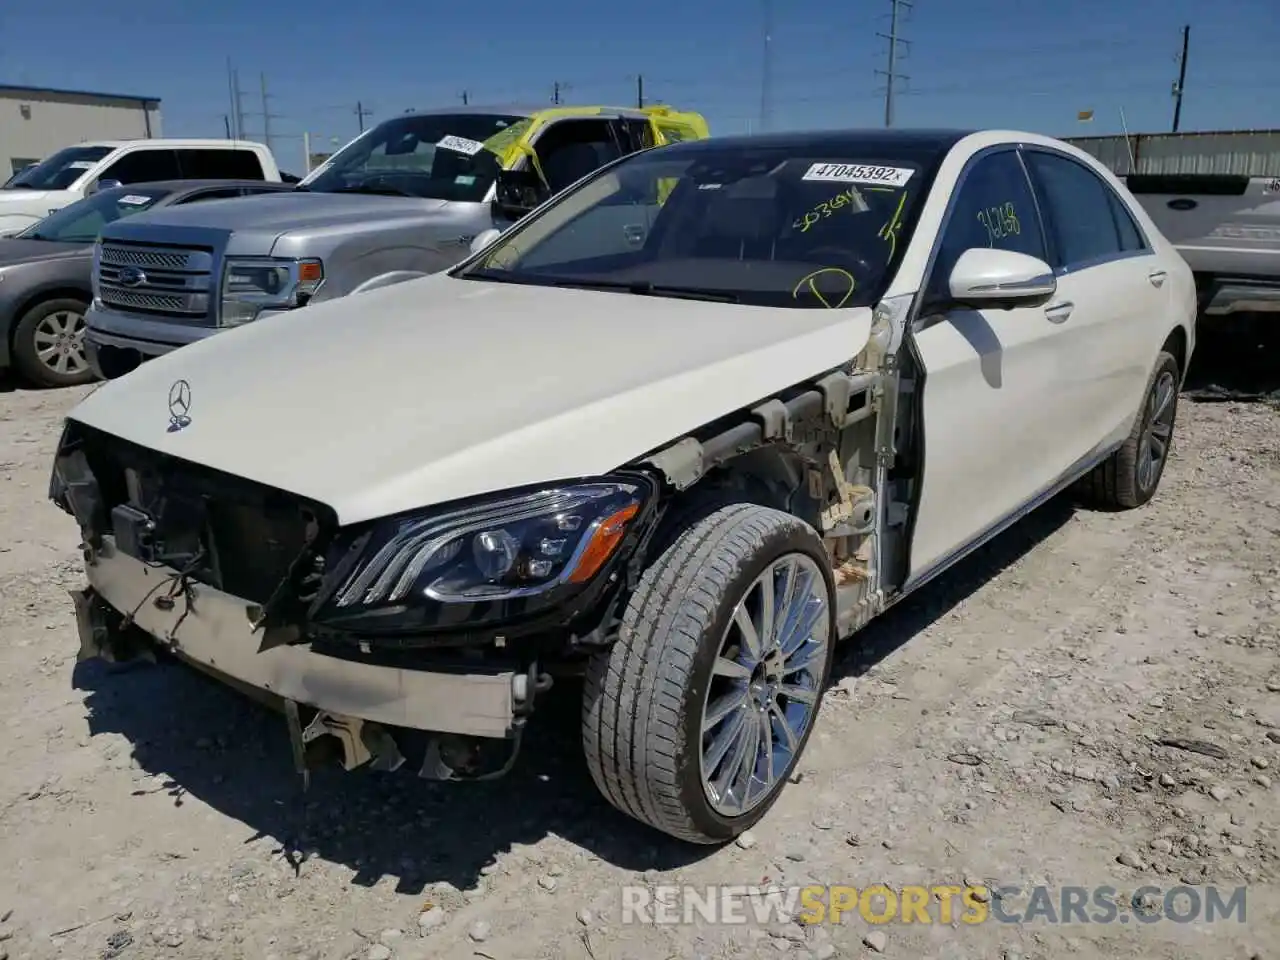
<point x="680" y="430"/>
<point x="75" y="172"/>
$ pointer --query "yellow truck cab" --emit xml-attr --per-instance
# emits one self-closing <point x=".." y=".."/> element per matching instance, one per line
<point x="553" y="148"/>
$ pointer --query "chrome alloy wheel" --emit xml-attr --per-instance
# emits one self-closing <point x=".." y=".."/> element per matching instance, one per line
<point x="765" y="684"/>
<point x="1158" y="436"/>
<point x="59" y="342"/>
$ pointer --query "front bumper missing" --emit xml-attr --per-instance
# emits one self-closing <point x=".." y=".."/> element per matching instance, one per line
<point x="214" y="630"/>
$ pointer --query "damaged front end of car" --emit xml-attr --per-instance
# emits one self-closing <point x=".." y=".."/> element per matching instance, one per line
<point x="428" y="634"/>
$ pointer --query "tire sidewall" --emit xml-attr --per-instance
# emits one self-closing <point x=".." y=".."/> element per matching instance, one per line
<point x="24" y="348"/>
<point x="782" y="540"/>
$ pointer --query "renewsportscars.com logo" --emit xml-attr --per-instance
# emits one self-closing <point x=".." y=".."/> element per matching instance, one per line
<point x="937" y="903"/>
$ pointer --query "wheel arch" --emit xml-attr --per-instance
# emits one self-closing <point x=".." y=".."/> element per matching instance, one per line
<point x="1176" y="344"/>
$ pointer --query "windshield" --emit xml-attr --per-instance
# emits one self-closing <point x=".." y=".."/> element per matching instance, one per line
<point x="435" y="156"/>
<point x="767" y="226"/>
<point x="82" y="221"/>
<point x="58" y="171"/>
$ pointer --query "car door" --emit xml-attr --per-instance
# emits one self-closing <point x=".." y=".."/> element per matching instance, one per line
<point x="991" y="404"/>
<point x="1110" y="284"/>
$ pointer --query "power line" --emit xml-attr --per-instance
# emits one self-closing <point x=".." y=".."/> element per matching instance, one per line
<point x="891" y="75"/>
<point x="1180" y="84"/>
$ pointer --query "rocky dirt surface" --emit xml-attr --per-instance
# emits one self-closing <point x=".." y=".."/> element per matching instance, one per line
<point x="1010" y="725"/>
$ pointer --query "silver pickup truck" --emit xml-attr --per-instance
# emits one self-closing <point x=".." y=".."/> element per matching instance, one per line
<point x="1227" y="228"/>
<point x="407" y="198"/>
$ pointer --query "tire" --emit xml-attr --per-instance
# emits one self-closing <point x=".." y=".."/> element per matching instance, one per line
<point x="1126" y="479"/>
<point x="644" y="698"/>
<point x="56" y="324"/>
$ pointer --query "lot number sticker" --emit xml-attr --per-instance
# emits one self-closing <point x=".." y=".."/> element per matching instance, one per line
<point x="134" y="200"/>
<point x="859" y="173"/>
<point x="461" y="145"/>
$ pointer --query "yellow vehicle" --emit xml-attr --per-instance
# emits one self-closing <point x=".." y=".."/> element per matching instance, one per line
<point x="558" y="146"/>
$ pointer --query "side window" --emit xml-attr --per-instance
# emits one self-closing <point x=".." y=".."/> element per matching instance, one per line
<point x="1130" y="236"/>
<point x="994" y="208"/>
<point x="571" y="149"/>
<point x="225" y="193"/>
<point x="144" y="166"/>
<point x="1077" y="209"/>
<point x="214" y="164"/>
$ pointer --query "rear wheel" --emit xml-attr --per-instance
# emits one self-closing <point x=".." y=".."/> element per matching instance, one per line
<point x="695" y="718"/>
<point x="48" y="344"/>
<point x="1130" y="476"/>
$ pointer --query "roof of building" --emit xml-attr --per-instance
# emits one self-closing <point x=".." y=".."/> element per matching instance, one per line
<point x="57" y="91"/>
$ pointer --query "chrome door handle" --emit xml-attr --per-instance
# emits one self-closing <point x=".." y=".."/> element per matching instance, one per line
<point x="1157" y="277"/>
<point x="1057" y="312"/>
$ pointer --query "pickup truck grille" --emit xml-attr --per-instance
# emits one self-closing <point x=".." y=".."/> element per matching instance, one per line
<point x="172" y="283"/>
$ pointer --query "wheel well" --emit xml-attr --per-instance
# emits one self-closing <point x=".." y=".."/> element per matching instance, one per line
<point x="1176" y="344"/>
<point x="35" y="299"/>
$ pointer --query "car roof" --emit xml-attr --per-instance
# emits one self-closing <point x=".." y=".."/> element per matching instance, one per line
<point x="162" y="142"/>
<point x="924" y="143"/>
<point x="523" y="110"/>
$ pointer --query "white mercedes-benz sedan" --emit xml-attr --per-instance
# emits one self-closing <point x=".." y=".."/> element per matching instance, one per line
<point x="679" y="431"/>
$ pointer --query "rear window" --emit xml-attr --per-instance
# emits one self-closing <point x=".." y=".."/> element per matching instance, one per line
<point x="216" y="164"/>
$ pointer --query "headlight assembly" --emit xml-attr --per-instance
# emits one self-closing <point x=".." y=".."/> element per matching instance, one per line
<point x="251" y="285"/>
<point x="485" y="562"/>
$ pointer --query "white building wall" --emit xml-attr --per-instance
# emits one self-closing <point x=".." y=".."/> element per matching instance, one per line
<point x="34" y="124"/>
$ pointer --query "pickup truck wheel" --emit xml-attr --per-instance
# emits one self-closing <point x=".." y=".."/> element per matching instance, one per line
<point x="48" y="344"/>
<point x="694" y="719"/>
<point x="1130" y="476"/>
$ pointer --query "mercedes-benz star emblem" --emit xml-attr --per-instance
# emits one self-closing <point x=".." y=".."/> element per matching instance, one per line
<point x="131" y="277"/>
<point x="179" y="406"/>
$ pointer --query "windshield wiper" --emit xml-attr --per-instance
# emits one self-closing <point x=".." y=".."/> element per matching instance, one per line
<point x="646" y="288"/>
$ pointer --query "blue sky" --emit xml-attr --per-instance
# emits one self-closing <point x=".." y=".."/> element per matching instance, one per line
<point x="1027" y="64"/>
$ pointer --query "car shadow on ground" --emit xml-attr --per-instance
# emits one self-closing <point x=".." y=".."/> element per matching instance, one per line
<point x="200" y="740"/>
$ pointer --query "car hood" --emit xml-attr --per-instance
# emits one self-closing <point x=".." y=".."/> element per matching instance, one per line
<point x="438" y="389"/>
<point x="275" y="213"/>
<point x="13" y="251"/>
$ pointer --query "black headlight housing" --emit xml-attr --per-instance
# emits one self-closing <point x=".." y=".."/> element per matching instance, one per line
<point x="501" y="560"/>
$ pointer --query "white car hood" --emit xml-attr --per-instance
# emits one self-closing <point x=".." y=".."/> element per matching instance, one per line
<point x="437" y="389"/>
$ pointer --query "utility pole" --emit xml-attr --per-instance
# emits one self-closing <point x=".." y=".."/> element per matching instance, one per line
<point x="266" y="111"/>
<point x="639" y="91"/>
<point x="766" y="70"/>
<point x="558" y="88"/>
<point x="1180" y="84"/>
<point x="892" y="75"/>
<point x="465" y="97"/>
<point x="236" y="119"/>
<point x="361" y="112"/>
<point x="226" y="125"/>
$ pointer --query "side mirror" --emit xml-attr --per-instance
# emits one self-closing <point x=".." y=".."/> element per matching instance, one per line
<point x="485" y="238"/>
<point x="517" y="192"/>
<point x="99" y="185"/>
<point x="984" y="278"/>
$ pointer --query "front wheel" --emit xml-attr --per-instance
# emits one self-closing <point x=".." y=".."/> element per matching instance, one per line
<point x="695" y="718"/>
<point x="1130" y="476"/>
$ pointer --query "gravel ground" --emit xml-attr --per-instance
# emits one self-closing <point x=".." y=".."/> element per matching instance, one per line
<point x="1002" y="726"/>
